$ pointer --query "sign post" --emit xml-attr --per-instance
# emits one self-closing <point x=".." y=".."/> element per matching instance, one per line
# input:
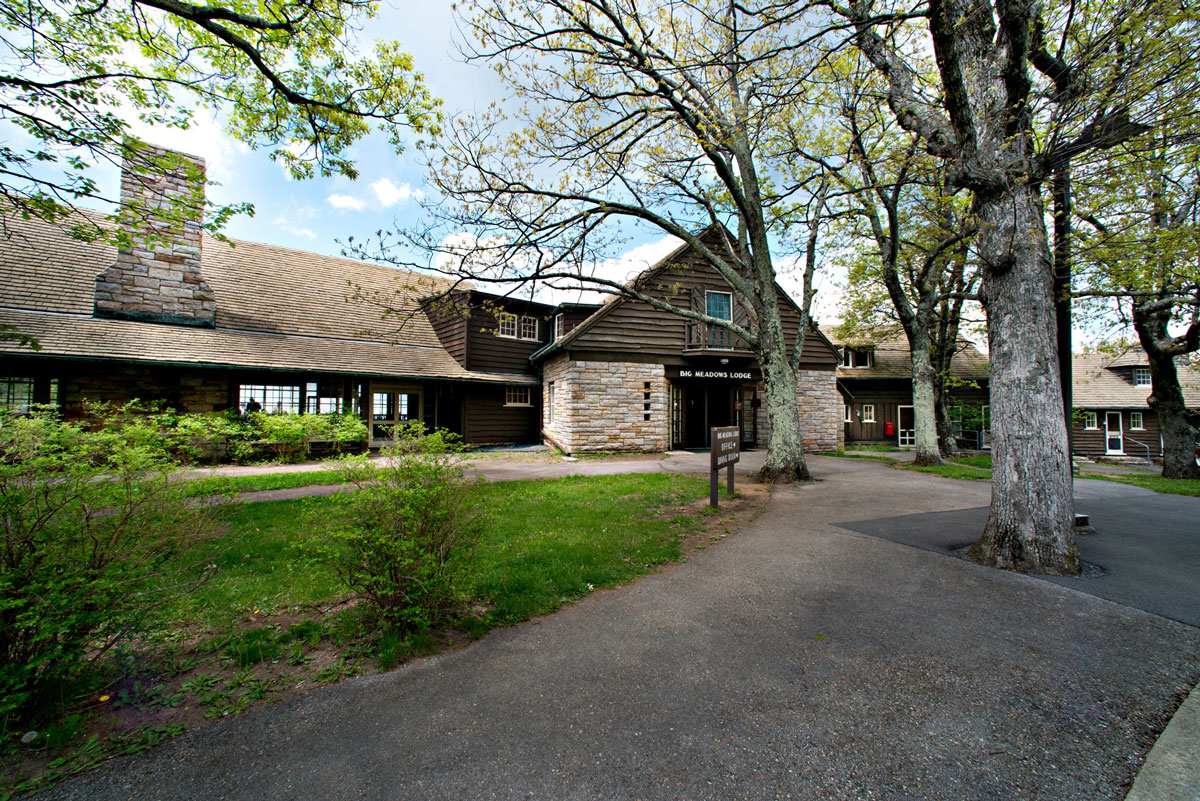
<point x="726" y="451"/>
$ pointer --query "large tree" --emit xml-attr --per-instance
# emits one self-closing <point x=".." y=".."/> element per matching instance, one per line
<point x="1141" y="248"/>
<point x="671" y="118"/>
<point x="286" y="73"/>
<point x="1020" y="87"/>
<point x="917" y="275"/>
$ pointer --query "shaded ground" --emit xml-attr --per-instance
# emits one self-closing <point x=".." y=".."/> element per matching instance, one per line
<point x="1144" y="553"/>
<point x="798" y="660"/>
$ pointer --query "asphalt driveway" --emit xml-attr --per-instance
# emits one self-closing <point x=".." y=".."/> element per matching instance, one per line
<point x="799" y="659"/>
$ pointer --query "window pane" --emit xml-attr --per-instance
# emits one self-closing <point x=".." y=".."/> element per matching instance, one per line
<point x="16" y="393"/>
<point x="529" y="328"/>
<point x="273" y="399"/>
<point x="720" y="305"/>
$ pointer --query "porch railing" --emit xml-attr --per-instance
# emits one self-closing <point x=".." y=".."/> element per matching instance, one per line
<point x="702" y="336"/>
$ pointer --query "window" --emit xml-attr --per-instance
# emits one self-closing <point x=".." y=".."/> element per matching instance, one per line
<point x="1090" y="421"/>
<point x="559" y="327"/>
<point x="646" y="401"/>
<point x="273" y="399"/>
<point x="550" y="403"/>
<point x="16" y="394"/>
<point x="846" y="413"/>
<point x="1141" y="376"/>
<point x="508" y="325"/>
<point x="720" y="306"/>
<point x="1135" y="420"/>
<point x="516" y="396"/>
<point x="322" y="398"/>
<point x="529" y="328"/>
<point x="856" y="357"/>
<point x="868" y="413"/>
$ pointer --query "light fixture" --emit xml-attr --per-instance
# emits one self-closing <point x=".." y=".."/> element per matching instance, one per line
<point x="724" y="361"/>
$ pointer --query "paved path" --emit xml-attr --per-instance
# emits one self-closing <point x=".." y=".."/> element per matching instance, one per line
<point x="798" y="659"/>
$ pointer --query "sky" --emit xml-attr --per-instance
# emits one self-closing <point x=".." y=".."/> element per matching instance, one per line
<point x="323" y="214"/>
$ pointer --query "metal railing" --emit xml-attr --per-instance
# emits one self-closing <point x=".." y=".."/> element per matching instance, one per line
<point x="1144" y="445"/>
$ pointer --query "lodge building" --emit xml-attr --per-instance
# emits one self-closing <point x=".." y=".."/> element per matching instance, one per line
<point x="207" y="325"/>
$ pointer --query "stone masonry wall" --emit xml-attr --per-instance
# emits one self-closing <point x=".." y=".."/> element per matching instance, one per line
<point x="821" y="413"/>
<point x="185" y="390"/>
<point x="601" y="406"/>
<point x="157" y="277"/>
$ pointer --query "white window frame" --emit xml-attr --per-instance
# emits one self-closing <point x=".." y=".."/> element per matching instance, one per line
<point x="868" y="413"/>
<point x="1140" y="373"/>
<point x="550" y="403"/>
<point x="506" y="325"/>
<point x="516" y="395"/>
<point x="559" y="325"/>
<point x="526" y="323"/>
<point x="856" y="358"/>
<point x="708" y="309"/>
<point x="1137" y="422"/>
<point x="848" y="414"/>
<point x="1091" y="421"/>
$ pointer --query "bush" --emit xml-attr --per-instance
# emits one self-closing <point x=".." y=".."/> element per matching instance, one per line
<point x="91" y="521"/>
<point x="403" y="539"/>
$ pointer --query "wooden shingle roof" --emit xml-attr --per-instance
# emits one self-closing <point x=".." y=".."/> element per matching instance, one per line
<point x="892" y="359"/>
<point x="1097" y="383"/>
<point x="277" y="308"/>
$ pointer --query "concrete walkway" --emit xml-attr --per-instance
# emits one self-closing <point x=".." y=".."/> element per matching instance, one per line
<point x="799" y="659"/>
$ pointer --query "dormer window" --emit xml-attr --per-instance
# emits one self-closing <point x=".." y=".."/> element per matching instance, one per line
<point x="529" y="328"/>
<point x="1141" y="376"/>
<point x="508" y="325"/>
<point x="559" y="326"/>
<point x="857" y="357"/>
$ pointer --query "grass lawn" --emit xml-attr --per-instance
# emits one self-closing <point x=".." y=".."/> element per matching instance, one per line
<point x="875" y="446"/>
<point x="968" y="468"/>
<point x="844" y="455"/>
<point x="271" y="622"/>
<point x="222" y="485"/>
<point x="951" y="470"/>
<point x="1150" y="481"/>
<point x="545" y="542"/>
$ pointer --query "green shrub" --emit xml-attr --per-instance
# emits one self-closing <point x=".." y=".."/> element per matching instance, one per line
<point x="91" y="519"/>
<point x="402" y="540"/>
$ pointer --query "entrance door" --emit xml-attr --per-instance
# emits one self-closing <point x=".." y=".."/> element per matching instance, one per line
<point x="1114" y="440"/>
<point x="391" y="407"/>
<point x="705" y="407"/>
<point x="906" y="425"/>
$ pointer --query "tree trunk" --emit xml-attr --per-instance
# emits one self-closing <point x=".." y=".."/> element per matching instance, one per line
<point x="1178" y="425"/>
<point x="785" y="446"/>
<point x="1030" y="525"/>
<point x="924" y="397"/>
<point x="946" y="439"/>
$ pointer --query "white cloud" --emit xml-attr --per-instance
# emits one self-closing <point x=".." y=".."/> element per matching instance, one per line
<point x="389" y="194"/>
<point x="345" y="202"/>
<point x="304" y="232"/>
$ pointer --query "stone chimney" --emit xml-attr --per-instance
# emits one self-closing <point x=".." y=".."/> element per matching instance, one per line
<point x="157" y="274"/>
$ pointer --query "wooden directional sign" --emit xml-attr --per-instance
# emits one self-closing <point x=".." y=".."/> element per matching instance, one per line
<point x="726" y="447"/>
<point x="726" y="451"/>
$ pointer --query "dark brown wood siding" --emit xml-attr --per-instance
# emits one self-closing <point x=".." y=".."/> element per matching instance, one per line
<point x="1091" y="441"/>
<point x="449" y="321"/>
<point x="887" y="396"/>
<point x="488" y="421"/>
<point x="489" y="352"/>
<point x="635" y="327"/>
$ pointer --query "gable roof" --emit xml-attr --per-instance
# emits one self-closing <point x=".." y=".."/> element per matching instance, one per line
<point x="277" y="308"/>
<point x="1097" y="384"/>
<point x="616" y="301"/>
<point x="894" y="360"/>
